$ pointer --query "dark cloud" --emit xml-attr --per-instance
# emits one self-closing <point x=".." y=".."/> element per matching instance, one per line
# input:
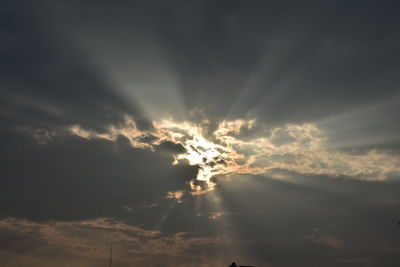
<point x="168" y="146"/>
<point x="82" y="179"/>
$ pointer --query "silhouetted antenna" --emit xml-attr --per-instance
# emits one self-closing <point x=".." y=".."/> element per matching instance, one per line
<point x="110" y="254"/>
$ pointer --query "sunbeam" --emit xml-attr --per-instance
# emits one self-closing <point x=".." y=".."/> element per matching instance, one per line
<point x="363" y="126"/>
<point x="139" y="73"/>
<point x="166" y="214"/>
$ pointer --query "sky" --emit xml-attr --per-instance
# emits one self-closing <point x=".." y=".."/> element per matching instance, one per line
<point x="199" y="133"/>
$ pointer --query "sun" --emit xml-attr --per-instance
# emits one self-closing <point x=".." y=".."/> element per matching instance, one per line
<point x="211" y="159"/>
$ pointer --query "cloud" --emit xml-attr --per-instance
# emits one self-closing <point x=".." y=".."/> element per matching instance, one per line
<point x="88" y="241"/>
<point x="175" y="195"/>
<point x="225" y="150"/>
<point x="328" y="240"/>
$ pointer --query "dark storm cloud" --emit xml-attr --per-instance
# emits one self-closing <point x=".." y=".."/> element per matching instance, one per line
<point x="70" y="179"/>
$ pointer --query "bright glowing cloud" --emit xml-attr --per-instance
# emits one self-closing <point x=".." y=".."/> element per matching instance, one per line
<point x="175" y="195"/>
<point x="224" y="151"/>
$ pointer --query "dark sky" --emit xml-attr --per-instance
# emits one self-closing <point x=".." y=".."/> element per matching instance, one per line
<point x="198" y="133"/>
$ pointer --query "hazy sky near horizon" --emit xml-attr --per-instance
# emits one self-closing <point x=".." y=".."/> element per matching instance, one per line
<point x="198" y="133"/>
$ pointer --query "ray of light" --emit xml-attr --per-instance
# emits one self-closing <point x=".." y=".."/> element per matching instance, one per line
<point x="269" y="76"/>
<point x="223" y="222"/>
<point x="138" y="72"/>
<point x="275" y="75"/>
<point x="166" y="214"/>
<point x="198" y="212"/>
<point x="366" y="125"/>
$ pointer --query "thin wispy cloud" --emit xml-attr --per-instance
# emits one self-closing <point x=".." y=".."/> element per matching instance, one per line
<point x="89" y="240"/>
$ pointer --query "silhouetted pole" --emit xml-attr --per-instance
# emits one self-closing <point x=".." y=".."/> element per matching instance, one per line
<point x="110" y="254"/>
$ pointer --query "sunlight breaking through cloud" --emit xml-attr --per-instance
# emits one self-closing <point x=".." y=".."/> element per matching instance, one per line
<point x="227" y="150"/>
